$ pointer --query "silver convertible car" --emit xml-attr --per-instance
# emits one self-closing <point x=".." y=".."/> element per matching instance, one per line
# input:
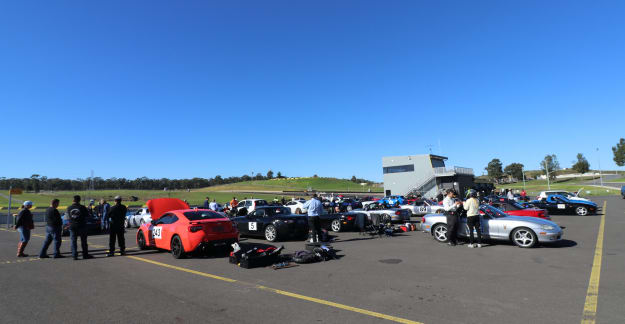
<point x="525" y="232"/>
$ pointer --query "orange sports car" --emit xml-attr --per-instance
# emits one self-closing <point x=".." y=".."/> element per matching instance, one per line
<point x="181" y="230"/>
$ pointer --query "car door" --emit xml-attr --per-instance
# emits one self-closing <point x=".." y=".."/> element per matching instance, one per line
<point x="168" y="231"/>
<point x="255" y="223"/>
<point x="157" y="232"/>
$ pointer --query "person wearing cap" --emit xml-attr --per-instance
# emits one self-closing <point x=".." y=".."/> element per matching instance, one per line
<point x="117" y="216"/>
<point x="54" y="229"/>
<point x="450" y="205"/>
<point x="78" y="214"/>
<point x="23" y="224"/>
<point x="315" y="209"/>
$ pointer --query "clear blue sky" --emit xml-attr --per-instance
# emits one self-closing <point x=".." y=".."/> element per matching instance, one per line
<point x="200" y="88"/>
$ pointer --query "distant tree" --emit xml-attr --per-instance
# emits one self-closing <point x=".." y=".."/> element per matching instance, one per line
<point x="619" y="152"/>
<point x="315" y="176"/>
<point x="494" y="169"/>
<point x="550" y="163"/>
<point x="581" y="165"/>
<point x="514" y="170"/>
<point x="269" y="174"/>
<point x="35" y="182"/>
<point x="354" y="179"/>
<point x="259" y="177"/>
<point x="279" y="176"/>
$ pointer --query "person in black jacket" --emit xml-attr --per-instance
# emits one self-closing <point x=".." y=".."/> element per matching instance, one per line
<point x="54" y="228"/>
<point x="78" y="227"/>
<point x="23" y="224"/>
<point x="117" y="216"/>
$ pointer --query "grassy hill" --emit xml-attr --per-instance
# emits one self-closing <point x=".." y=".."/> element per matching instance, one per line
<point x="534" y="187"/>
<point x="318" y="184"/>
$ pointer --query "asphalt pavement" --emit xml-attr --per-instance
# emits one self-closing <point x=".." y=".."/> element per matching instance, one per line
<point x="408" y="278"/>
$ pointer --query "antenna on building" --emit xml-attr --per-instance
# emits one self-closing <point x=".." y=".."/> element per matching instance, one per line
<point x="91" y="186"/>
<point x="429" y="147"/>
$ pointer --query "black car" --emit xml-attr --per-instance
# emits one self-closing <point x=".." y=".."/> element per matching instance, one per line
<point x="93" y="224"/>
<point x="557" y="204"/>
<point x="273" y="223"/>
<point x="341" y="221"/>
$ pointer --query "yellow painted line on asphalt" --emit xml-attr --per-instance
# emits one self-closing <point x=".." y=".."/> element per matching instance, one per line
<point x="590" y="307"/>
<point x="283" y="293"/>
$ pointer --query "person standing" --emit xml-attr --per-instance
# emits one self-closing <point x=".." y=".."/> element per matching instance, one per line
<point x="524" y="195"/>
<point x="54" y="229"/>
<point x="233" y="203"/>
<point x="472" y="206"/>
<point x="24" y="224"/>
<point x="510" y="195"/>
<point x="213" y="205"/>
<point x="117" y="216"/>
<point x="315" y="208"/>
<point x="206" y="203"/>
<point x="450" y="205"/>
<point x="78" y="228"/>
<point x="103" y="212"/>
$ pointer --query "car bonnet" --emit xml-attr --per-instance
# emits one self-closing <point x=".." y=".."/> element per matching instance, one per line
<point x="160" y="206"/>
<point x="534" y="220"/>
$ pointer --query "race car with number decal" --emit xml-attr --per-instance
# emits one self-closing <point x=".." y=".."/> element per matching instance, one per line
<point x="176" y="228"/>
<point x="514" y="208"/>
<point x="421" y="207"/>
<point x="557" y="204"/>
<point x="273" y="223"/>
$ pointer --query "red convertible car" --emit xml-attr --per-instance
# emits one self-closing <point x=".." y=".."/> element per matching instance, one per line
<point x="181" y="230"/>
<point x="513" y="208"/>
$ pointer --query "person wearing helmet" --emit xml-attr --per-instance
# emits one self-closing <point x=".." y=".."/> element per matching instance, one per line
<point x="23" y="224"/>
<point x="472" y="206"/>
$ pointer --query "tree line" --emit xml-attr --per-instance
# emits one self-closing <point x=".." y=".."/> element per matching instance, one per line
<point x="549" y="166"/>
<point x="38" y="183"/>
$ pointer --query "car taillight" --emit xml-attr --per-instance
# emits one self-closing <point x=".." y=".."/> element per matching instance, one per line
<point x="194" y="229"/>
<point x="423" y="219"/>
<point x="350" y="218"/>
<point x="397" y="213"/>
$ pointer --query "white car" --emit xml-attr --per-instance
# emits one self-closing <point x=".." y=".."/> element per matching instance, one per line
<point x="422" y="207"/>
<point x="247" y="206"/>
<point x="297" y="206"/>
<point x="394" y="215"/>
<point x="138" y="218"/>
<point x="568" y="195"/>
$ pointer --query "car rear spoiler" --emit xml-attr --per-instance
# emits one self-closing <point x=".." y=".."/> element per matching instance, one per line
<point x="160" y="206"/>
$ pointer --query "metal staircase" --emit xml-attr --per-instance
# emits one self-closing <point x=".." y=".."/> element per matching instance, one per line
<point x="423" y="186"/>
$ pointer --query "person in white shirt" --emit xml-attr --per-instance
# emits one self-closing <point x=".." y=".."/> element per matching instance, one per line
<point x="472" y="206"/>
<point x="213" y="205"/>
<point x="450" y="205"/>
<point x="510" y="195"/>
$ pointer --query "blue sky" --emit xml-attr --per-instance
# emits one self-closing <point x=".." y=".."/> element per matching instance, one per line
<point x="200" y="88"/>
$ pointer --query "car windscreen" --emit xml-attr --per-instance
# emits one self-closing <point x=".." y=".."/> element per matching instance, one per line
<point x="277" y="211"/>
<point x="492" y="211"/>
<point x="200" y="215"/>
<point x="516" y="206"/>
<point x="261" y="203"/>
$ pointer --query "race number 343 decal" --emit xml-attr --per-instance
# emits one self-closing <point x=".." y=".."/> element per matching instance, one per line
<point x="157" y="232"/>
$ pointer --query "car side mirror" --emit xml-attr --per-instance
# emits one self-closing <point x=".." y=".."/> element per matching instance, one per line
<point x="153" y="222"/>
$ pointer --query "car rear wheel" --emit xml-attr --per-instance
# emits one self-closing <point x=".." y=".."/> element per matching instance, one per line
<point x="271" y="234"/>
<point x="142" y="222"/>
<point x="336" y="225"/>
<point x="440" y="233"/>
<point x="349" y="208"/>
<point x="141" y="240"/>
<point x="177" y="250"/>
<point x="386" y="219"/>
<point x="581" y="211"/>
<point x="126" y="223"/>
<point x="524" y="237"/>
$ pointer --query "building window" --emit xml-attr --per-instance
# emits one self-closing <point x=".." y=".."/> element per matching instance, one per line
<point x="399" y="168"/>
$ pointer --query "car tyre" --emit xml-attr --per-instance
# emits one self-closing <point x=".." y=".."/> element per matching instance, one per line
<point x="581" y="211"/>
<point x="524" y="237"/>
<point x="141" y="240"/>
<point x="386" y="219"/>
<point x="126" y="223"/>
<point x="440" y="233"/>
<point x="336" y="225"/>
<point x="141" y="222"/>
<point x="271" y="234"/>
<point x="349" y="208"/>
<point x="177" y="249"/>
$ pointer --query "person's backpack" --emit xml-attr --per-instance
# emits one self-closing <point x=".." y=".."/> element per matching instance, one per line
<point x="305" y="257"/>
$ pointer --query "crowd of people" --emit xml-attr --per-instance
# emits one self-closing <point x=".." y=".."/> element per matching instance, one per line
<point x="112" y="217"/>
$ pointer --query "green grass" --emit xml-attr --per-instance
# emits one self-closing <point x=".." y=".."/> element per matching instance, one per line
<point x="534" y="187"/>
<point x="617" y="180"/>
<point x="42" y="200"/>
<point x="318" y="184"/>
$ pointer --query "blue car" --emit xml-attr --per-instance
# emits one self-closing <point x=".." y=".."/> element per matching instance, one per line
<point x="557" y="204"/>
<point x="392" y="200"/>
<point x="93" y="225"/>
